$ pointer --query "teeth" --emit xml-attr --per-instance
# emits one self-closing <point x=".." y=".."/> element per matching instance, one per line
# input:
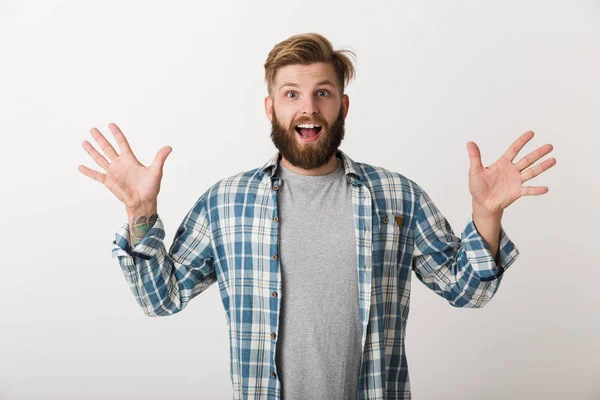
<point x="309" y="126"/>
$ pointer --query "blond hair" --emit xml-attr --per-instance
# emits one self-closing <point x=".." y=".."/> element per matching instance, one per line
<point x="308" y="48"/>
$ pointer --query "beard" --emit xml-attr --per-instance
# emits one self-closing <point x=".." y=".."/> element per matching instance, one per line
<point x="313" y="154"/>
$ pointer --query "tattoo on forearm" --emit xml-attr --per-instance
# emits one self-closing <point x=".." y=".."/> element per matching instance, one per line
<point x="140" y="226"/>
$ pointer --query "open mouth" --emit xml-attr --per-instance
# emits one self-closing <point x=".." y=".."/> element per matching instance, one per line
<point x="308" y="132"/>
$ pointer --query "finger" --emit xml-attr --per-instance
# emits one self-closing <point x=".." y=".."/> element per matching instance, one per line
<point x="159" y="159"/>
<point x="104" y="144"/>
<point x="120" y="137"/>
<point x="98" y="176"/>
<point x="474" y="158"/>
<point x="97" y="157"/>
<point x="517" y="145"/>
<point x="538" y="169"/>
<point x="532" y="157"/>
<point x="533" y="190"/>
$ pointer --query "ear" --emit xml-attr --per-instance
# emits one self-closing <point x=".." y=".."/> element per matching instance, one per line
<point x="269" y="107"/>
<point x="346" y="104"/>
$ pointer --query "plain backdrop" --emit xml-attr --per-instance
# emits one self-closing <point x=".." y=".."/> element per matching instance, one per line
<point x="431" y="77"/>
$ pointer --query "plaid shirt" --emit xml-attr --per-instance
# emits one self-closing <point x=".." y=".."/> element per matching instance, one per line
<point x="231" y="236"/>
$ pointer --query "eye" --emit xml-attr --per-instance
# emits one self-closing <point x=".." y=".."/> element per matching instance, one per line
<point x="288" y="94"/>
<point x="323" y="91"/>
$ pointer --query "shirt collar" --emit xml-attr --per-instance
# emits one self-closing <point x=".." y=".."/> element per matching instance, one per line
<point x="351" y="168"/>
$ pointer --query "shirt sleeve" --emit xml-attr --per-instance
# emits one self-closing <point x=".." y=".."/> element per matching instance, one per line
<point x="462" y="270"/>
<point x="164" y="282"/>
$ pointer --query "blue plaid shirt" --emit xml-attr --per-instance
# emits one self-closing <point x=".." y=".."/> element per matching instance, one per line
<point x="231" y="236"/>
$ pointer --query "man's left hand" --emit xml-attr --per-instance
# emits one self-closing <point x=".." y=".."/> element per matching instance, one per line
<point x="496" y="187"/>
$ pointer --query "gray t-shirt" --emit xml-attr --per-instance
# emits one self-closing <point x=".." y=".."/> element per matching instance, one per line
<point x="318" y="350"/>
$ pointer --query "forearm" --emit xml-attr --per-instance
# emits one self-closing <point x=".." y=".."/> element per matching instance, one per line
<point x="141" y="220"/>
<point x="163" y="282"/>
<point x="488" y="226"/>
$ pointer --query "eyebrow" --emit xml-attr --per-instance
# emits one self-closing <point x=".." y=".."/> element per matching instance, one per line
<point x="323" y="82"/>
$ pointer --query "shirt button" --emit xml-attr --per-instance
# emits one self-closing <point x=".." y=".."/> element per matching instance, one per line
<point x="276" y="219"/>
<point x="274" y="256"/>
<point x="385" y="220"/>
<point x="273" y="375"/>
<point x="273" y="294"/>
<point x="275" y="187"/>
<point x="272" y="335"/>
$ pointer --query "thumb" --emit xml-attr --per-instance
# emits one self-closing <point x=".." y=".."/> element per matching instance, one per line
<point x="475" y="158"/>
<point x="159" y="159"/>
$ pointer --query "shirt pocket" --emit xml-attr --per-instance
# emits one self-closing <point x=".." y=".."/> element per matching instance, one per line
<point x="389" y="234"/>
<point x="392" y="255"/>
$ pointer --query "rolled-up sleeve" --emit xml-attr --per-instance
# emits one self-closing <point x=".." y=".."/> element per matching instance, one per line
<point x="462" y="270"/>
<point x="164" y="282"/>
<point x="479" y="255"/>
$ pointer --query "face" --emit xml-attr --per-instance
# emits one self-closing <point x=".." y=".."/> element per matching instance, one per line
<point x="307" y="94"/>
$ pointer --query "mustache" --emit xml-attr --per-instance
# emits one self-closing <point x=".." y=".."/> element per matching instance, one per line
<point x="300" y="121"/>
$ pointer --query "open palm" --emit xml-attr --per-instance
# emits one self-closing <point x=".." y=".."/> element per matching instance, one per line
<point x="499" y="185"/>
<point x="128" y="179"/>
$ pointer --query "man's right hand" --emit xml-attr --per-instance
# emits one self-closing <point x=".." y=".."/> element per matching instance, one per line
<point x="131" y="182"/>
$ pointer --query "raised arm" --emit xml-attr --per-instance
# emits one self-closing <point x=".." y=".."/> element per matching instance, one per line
<point x="162" y="282"/>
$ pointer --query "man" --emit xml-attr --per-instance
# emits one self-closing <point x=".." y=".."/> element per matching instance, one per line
<point x="313" y="251"/>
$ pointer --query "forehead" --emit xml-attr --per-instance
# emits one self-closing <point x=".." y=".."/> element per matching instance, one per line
<point x="305" y="75"/>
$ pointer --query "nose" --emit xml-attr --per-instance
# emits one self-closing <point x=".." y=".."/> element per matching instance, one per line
<point x="309" y="107"/>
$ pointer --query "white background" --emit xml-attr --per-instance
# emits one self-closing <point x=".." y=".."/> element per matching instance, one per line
<point x="431" y="77"/>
